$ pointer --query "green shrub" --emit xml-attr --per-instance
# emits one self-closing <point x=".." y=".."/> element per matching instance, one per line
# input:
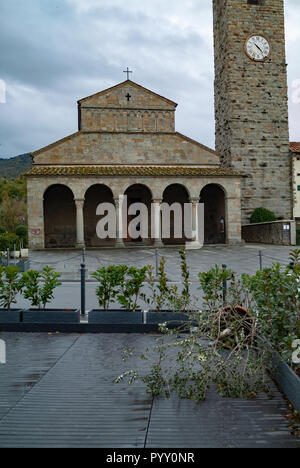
<point x="22" y="233"/>
<point x="8" y="241"/>
<point x="39" y="286"/>
<point x="109" y="280"/>
<point x="2" y="230"/>
<point x="131" y="283"/>
<point x="10" y="286"/>
<point x="262" y="215"/>
<point x="277" y="303"/>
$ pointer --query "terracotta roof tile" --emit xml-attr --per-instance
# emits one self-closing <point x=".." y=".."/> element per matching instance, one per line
<point x="176" y="171"/>
<point x="295" y="147"/>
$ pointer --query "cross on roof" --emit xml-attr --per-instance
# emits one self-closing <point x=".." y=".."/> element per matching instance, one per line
<point x="128" y="72"/>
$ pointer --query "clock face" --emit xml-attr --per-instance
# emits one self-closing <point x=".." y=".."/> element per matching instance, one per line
<point x="257" y="47"/>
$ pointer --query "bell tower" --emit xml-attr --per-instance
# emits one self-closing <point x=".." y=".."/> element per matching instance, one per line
<point x="251" y="104"/>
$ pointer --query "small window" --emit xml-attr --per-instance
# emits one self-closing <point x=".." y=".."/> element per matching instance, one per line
<point x="255" y="2"/>
<point x="298" y="188"/>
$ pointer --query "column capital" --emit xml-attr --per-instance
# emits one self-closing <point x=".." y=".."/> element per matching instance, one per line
<point x="118" y="199"/>
<point x="79" y="203"/>
<point x="195" y="200"/>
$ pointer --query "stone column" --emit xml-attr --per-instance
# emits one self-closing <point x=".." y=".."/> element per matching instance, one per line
<point x="119" y="223"/>
<point x="196" y="242"/>
<point x="156" y="223"/>
<point x="79" y="224"/>
<point x="35" y="210"/>
<point x="233" y="222"/>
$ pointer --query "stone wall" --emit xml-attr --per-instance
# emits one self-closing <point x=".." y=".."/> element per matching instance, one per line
<point x="251" y="103"/>
<point x="278" y="232"/>
<point x="127" y="107"/>
<point x="127" y="120"/>
<point x="124" y="148"/>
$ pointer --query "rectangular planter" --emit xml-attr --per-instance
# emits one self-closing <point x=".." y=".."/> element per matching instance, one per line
<point x="12" y="316"/>
<point x="23" y="265"/>
<point x="51" y="316"/>
<point x="288" y="380"/>
<point x="117" y="316"/>
<point x="161" y="316"/>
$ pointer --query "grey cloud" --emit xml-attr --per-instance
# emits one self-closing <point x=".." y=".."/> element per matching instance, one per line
<point x="54" y="52"/>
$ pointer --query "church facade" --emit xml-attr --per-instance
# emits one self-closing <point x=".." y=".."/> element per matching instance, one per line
<point x="127" y="144"/>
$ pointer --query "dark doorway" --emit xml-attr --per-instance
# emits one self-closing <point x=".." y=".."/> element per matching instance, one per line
<point x="176" y="193"/>
<point x="59" y="217"/>
<point x="139" y="193"/>
<point x="213" y="198"/>
<point x="95" y="195"/>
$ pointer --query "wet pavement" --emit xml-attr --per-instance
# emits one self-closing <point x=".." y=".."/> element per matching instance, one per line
<point x="56" y="391"/>
<point x="241" y="259"/>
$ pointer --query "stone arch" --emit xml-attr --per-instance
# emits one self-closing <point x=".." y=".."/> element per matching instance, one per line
<point x="94" y="195"/>
<point x="59" y="217"/>
<point x="213" y="196"/>
<point x="139" y="193"/>
<point x="175" y="193"/>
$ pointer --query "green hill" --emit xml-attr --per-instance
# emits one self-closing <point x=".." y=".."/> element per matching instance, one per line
<point x="14" y="167"/>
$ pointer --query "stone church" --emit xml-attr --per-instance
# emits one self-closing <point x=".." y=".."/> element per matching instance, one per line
<point x="127" y="144"/>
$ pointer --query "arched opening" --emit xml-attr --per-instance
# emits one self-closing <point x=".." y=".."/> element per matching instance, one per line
<point x="175" y="193"/>
<point x="59" y="217"/>
<point x="139" y="193"/>
<point x="94" y="196"/>
<point x="213" y="198"/>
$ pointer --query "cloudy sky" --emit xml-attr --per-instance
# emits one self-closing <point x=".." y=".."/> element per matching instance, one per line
<point x="54" y="52"/>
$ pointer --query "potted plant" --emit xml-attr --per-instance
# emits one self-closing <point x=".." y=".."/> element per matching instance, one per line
<point x="22" y="233"/>
<point x="10" y="286"/>
<point x="38" y="287"/>
<point x="167" y="304"/>
<point x="121" y="283"/>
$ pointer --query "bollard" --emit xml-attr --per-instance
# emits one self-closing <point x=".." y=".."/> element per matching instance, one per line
<point x="224" y="267"/>
<point x="260" y="260"/>
<point x="82" y="280"/>
<point x="83" y="294"/>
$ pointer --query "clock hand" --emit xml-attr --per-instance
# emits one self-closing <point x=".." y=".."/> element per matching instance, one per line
<point x="258" y="48"/>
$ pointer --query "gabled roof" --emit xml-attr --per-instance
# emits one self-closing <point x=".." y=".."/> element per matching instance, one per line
<point x="295" y="147"/>
<point x="132" y="83"/>
<point x="55" y="143"/>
